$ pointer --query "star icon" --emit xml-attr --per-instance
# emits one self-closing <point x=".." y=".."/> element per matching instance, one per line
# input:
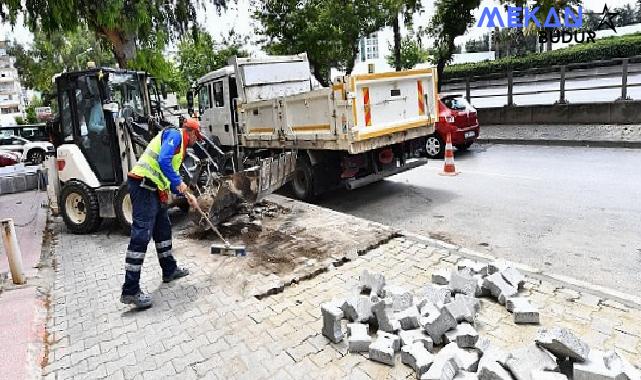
<point x="607" y="19"/>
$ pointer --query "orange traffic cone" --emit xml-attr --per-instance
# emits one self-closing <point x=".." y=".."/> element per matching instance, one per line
<point x="448" y="168"/>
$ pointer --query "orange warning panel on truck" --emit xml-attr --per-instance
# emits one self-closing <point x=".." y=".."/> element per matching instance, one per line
<point x="421" y="100"/>
<point x="368" y="109"/>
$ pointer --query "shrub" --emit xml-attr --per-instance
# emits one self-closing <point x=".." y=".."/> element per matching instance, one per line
<point x="603" y="49"/>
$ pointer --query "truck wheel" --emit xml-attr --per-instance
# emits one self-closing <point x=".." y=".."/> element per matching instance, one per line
<point x="124" y="209"/>
<point x="302" y="183"/>
<point x="80" y="209"/>
<point x="36" y="156"/>
<point x="434" y="146"/>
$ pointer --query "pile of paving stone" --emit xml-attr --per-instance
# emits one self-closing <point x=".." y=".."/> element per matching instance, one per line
<point x="435" y="335"/>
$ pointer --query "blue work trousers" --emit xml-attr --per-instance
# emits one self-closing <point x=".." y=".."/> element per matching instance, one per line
<point x="150" y="220"/>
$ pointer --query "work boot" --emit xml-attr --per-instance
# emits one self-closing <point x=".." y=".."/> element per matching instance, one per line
<point x="140" y="300"/>
<point x="178" y="273"/>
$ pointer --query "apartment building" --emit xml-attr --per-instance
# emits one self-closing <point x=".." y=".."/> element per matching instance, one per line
<point x="12" y="98"/>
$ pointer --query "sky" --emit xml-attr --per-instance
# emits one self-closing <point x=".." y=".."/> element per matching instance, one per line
<point x="238" y="18"/>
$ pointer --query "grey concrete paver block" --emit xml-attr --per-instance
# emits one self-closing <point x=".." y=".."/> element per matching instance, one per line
<point x="525" y="312"/>
<point x="462" y="309"/>
<point x="617" y="363"/>
<point x="523" y="361"/>
<point x="416" y="356"/>
<point x="358" y="308"/>
<point x="408" y="318"/>
<point x="563" y="343"/>
<point x="438" y="295"/>
<point x="384" y="314"/>
<point x="417" y="335"/>
<point x="382" y="351"/>
<point x="499" y="288"/>
<point x="372" y="282"/>
<point x="466" y="359"/>
<point x="473" y="266"/>
<point x="441" y="277"/>
<point x="393" y="338"/>
<point x="444" y="367"/>
<point x="436" y="324"/>
<point x="358" y="339"/>
<point x="332" y="316"/>
<point x="463" y="282"/>
<point x="466" y="336"/>
<point x="401" y="297"/>
<point x="513" y="277"/>
<point x="492" y="370"/>
<point x="548" y="375"/>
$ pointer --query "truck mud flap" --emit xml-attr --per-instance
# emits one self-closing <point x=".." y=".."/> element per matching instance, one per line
<point x="359" y="182"/>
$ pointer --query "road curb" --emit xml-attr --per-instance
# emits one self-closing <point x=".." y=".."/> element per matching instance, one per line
<point x="628" y="300"/>
<point x="579" y="143"/>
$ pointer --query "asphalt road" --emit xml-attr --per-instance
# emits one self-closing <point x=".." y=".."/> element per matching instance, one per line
<point x="571" y="211"/>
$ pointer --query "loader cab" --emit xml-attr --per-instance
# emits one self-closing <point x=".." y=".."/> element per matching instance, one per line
<point x="217" y="93"/>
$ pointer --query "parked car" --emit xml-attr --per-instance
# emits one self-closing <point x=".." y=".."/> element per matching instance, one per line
<point x="8" y="158"/>
<point x="457" y="117"/>
<point x="31" y="151"/>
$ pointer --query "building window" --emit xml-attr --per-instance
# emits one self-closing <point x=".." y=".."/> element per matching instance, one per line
<point x="371" y="46"/>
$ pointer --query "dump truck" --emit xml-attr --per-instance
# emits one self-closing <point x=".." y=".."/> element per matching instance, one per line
<point x="106" y="117"/>
<point x="360" y="130"/>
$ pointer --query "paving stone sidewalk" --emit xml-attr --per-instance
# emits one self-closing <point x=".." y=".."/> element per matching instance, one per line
<point x="203" y="327"/>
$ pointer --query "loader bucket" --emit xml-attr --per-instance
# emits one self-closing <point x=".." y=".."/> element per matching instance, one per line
<point x="248" y="186"/>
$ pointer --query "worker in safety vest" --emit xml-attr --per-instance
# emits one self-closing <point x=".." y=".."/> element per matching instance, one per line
<point x="154" y="175"/>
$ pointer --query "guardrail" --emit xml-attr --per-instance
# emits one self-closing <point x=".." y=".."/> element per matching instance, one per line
<point x="559" y="73"/>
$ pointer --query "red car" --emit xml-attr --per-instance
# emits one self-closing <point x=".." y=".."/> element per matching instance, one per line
<point x="457" y="117"/>
<point x="8" y="158"/>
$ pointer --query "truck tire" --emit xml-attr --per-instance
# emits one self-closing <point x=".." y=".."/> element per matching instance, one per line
<point x="123" y="208"/>
<point x="434" y="146"/>
<point x="80" y="209"/>
<point x="36" y="156"/>
<point x="302" y="183"/>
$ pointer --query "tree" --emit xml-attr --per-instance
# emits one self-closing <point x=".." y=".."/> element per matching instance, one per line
<point x="451" y="19"/>
<point x="411" y="54"/>
<point x="150" y="57"/>
<point x="327" y="30"/>
<point x="55" y="53"/>
<point x="199" y="54"/>
<point x="396" y="8"/>
<point x="626" y="16"/>
<point x="638" y="14"/>
<point x="123" y="24"/>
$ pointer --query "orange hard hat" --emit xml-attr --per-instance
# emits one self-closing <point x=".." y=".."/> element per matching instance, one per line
<point x="192" y="124"/>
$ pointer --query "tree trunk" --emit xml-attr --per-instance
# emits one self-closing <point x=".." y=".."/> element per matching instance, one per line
<point x="320" y="75"/>
<point x="397" y="43"/>
<point x="123" y="45"/>
<point x="352" y="62"/>
<point x="440" y="69"/>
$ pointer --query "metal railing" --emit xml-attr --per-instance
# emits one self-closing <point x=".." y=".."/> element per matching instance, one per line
<point x="562" y="74"/>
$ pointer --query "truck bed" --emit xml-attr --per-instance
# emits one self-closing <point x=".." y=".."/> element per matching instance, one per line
<point x="357" y="114"/>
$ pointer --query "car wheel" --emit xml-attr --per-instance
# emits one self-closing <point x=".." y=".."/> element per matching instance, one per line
<point x="124" y="209"/>
<point x="434" y="146"/>
<point x="302" y="184"/>
<point x="463" y="147"/>
<point x="36" y="156"/>
<point x="80" y="209"/>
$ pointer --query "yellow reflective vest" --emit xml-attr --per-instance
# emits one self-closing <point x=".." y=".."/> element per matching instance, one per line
<point x="148" y="167"/>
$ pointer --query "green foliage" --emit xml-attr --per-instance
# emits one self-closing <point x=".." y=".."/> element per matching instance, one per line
<point x="199" y="54"/>
<point x="327" y="30"/>
<point x="605" y="48"/>
<point x="480" y="44"/>
<point x="411" y="54"/>
<point x="151" y="58"/>
<point x="55" y="53"/>
<point x="451" y="19"/>
<point x="31" y="115"/>
<point x="20" y="120"/>
<point x="123" y="24"/>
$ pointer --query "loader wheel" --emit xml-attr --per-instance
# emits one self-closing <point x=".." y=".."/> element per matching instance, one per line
<point x="124" y="209"/>
<point x="80" y="209"/>
<point x="302" y="182"/>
